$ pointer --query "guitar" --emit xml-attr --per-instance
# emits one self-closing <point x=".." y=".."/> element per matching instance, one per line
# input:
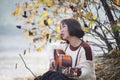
<point x="61" y="60"/>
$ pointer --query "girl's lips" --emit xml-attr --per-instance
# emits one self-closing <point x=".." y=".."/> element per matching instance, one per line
<point x="62" y="35"/>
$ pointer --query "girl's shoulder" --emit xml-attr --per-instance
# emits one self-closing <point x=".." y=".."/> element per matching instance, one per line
<point x="88" y="52"/>
<point x="85" y="45"/>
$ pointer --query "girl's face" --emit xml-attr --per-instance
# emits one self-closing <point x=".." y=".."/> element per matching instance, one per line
<point x="64" y="31"/>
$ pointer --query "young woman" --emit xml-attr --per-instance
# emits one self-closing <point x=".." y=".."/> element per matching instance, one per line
<point x="80" y="52"/>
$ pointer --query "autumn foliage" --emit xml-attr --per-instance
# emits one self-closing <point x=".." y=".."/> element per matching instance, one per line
<point x="40" y="23"/>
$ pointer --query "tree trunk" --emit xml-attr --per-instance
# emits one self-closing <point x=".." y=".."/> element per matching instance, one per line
<point x="112" y="22"/>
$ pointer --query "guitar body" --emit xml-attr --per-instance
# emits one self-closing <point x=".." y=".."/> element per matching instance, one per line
<point x="62" y="60"/>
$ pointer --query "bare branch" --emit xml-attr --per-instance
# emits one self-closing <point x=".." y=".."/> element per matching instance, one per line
<point x="26" y="65"/>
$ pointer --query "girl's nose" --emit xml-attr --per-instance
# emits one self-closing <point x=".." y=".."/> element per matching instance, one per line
<point x="61" y="30"/>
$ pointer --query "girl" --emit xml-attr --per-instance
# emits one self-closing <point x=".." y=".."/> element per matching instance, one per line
<point x="80" y="52"/>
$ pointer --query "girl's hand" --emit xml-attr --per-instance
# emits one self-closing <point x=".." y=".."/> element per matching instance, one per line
<point x="52" y="65"/>
<point x="71" y="72"/>
<point x="75" y="72"/>
<point x="65" y="71"/>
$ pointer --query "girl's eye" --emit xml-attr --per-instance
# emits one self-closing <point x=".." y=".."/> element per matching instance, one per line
<point x="63" y="26"/>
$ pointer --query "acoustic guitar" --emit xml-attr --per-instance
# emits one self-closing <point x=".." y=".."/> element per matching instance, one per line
<point x="61" y="60"/>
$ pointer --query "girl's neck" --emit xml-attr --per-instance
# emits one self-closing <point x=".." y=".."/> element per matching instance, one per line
<point x="74" y="41"/>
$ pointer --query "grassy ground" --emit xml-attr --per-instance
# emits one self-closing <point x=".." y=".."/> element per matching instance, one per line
<point x="106" y="67"/>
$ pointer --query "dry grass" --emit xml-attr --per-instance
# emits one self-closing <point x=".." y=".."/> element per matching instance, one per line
<point x="108" y="67"/>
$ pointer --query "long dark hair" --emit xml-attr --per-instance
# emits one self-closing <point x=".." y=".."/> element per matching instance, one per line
<point x="74" y="27"/>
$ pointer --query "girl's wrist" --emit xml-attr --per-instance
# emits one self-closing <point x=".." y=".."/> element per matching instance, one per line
<point x="75" y="71"/>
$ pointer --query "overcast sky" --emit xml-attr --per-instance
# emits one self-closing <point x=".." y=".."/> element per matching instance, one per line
<point x="11" y="38"/>
<point x="7" y="20"/>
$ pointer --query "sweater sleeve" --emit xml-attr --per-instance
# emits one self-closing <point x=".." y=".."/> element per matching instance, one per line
<point x="86" y="64"/>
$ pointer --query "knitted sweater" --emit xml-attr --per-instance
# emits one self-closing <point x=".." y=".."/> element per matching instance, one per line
<point x="84" y="61"/>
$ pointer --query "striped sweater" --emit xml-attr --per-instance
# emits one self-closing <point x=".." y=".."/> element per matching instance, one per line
<point x="84" y="61"/>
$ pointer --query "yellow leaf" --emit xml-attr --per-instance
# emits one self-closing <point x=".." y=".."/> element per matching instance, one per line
<point x="94" y="17"/>
<point x="26" y="32"/>
<point x="44" y="27"/>
<point x="33" y="12"/>
<point x="26" y="37"/>
<point x="57" y="37"/>
<point x="39" y="49"/>
<point x="90" y="23"/>
<point x="42" y="39"/>
<point x="31" y="37"/>
<point x="59" y="10"/>
<point x="49" y="3"/>
<point x="46" y="33"/>
<point x="43" y="1"/>
<point x="58" y="28"/>
<point x="37" y="4"/>
<point x="49" y="20"/>
<point x="86" y="30"/>
<point x="40" y="21"/>
<point x="44" y="14"/>
<point x="17" y="11"/>
<point x="31" y="16"/>
<point x="88" y="15"/>
<point x="20" y="15"/>
<point x="28" y="21"/>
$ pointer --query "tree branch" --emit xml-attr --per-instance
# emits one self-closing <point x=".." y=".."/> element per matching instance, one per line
<point x="26" y="65"/>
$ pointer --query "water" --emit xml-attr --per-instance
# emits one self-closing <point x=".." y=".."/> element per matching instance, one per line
<point x="12" y="66"/>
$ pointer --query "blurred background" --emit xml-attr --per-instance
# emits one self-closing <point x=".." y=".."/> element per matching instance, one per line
<point x="40" y="22"/>
<point x="12" y="44"/>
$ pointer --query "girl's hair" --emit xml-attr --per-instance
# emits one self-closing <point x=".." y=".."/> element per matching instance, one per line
<point x="74" y="27"/>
